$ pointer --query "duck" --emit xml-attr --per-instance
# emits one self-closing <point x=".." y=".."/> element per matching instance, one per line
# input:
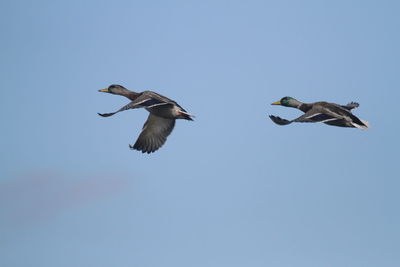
<point x="160" y="122"/>
<point x="328" y="113"/>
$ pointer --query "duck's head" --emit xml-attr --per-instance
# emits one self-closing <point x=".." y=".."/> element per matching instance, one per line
<point x="115" y="89"/>
<point x="288" y="101"/>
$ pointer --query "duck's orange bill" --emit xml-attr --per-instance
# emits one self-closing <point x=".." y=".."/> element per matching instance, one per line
<point x="104" y="90"/>
<point x="276" y="103"/>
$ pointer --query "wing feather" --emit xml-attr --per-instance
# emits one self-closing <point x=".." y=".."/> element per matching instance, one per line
<point x="145" y="100"/>
<point x="154" y="134"/>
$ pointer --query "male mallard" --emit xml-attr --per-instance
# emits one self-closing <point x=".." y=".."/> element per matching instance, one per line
<point x="161" y="121"/>
<point x="329" y="113"/>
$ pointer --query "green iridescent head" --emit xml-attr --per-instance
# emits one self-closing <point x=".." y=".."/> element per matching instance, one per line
<point x="287" y="101"/>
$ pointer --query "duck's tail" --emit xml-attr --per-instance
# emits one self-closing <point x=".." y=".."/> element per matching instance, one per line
<point x="364" y="125"/>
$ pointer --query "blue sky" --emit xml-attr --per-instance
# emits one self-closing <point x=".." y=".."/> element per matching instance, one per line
<point x="229" y="189"/>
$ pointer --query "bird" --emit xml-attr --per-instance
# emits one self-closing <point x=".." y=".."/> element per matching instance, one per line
<point x="160" y="122"/>
<point x="328" y="113"/>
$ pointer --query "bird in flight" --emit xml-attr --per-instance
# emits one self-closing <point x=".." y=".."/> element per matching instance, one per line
<point x="328" y="113"/>
<point x="161" y="121"/>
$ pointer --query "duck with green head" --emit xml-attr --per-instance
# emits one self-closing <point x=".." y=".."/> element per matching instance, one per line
<point x="328" y="113"/>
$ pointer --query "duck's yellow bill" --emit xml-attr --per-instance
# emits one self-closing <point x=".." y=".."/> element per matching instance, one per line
<point x="104" y="90"/>
<point x="276" y="103"/>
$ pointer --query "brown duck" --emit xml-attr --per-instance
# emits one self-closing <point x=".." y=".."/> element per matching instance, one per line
<point x="161" y="121"/>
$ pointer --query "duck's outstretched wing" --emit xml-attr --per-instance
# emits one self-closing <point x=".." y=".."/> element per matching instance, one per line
<point x="154" y="134"/>
<point x="310" y="116"/>
<point x="313" y="116"/>
<point x="145" y="100"/>
<point x="279" y="120"/>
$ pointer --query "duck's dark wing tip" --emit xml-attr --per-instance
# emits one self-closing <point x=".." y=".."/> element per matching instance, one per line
<point x="279" y="120"/>
<point x="143" y="149"/>
<point x="106" y="114"/>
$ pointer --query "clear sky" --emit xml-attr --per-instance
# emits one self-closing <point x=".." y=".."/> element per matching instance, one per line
<point x="228" y="189"/>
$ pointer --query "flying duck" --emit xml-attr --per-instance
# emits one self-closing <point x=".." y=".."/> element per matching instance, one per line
<point x="161" y="121"/>
<point x="328" y="113"/>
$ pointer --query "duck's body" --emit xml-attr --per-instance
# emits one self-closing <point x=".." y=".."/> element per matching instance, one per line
<point x="161" y="121"/>
<point x="328" y="113"/>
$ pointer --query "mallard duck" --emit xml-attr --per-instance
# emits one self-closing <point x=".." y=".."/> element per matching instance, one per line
<point x="161" y="120"/>
<point x="329" y="113"/>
